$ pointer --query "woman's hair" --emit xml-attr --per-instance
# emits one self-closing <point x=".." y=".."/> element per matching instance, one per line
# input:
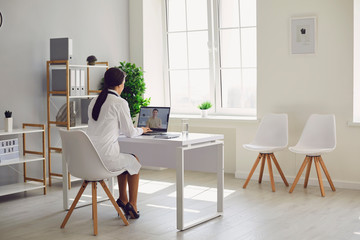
<point x="112" y="77"/>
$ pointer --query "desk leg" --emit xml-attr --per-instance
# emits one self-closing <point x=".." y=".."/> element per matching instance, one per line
<point x="180" y="152"/>
<point x="180" y="188"/>
<point x="220" y="179"/>
<point x="65" y="184"/>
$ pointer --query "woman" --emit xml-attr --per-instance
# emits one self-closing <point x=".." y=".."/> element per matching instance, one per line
<point x="109" y="116"/>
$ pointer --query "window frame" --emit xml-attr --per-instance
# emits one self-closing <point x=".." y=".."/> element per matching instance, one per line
<point x="213" y="14"/>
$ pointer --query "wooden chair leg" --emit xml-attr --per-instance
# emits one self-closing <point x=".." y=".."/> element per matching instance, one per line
<point x="279" y="169"/>
<point x="252" y="170"/>
<point x="73" y="205"/>
<point x="299" y="174"/>
<point x="318" y="171"/>
<point x="107" y="191"/>
<point x="262" y="168"/>
<point x="307" y="173"/>
<point x="94" y="207"/>
<point x="69" y="181"/>
<point x="270" y="173"/>
<point x="326" y="173"/>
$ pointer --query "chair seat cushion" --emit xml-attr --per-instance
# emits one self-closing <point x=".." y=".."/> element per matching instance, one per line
<point x="263" y="149"/>
<point x="309" y="150"/>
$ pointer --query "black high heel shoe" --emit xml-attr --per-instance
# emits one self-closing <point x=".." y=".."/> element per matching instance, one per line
<point x="130" y="209"/>
<point x="122" y="206"/>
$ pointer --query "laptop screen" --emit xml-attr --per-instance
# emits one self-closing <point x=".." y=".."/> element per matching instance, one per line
<point x="156" y="118"/>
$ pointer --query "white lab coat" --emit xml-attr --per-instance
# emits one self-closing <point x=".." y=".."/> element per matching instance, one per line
<point x="114" y="119"/>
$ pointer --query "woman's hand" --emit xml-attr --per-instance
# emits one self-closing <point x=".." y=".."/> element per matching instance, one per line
<point x="146" y="129"/>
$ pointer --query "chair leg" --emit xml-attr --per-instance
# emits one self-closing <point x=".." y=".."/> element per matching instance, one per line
<point x="270" y="172"/>
<point x="107" y="191"/>
<point x="94" y="207"/>
<point x="252" y="170"/>
<point x="279" y="169"/>
<point x="318" y="171"/>
<point x="327" y="174"/>
<point x="73" y="205"/>
<point x="307" y="173"/>
<point x="262" y="168"/>
<point x="299" y="174"/>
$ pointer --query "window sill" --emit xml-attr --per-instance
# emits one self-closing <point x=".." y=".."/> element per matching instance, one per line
<point x="353" y="124"/>
<point x="214" y="118"/>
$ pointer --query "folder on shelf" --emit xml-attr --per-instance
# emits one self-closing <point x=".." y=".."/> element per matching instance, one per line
<point x="82" y="83"/>
<point x="72" y="83"/>
<point x="77" y="82"/>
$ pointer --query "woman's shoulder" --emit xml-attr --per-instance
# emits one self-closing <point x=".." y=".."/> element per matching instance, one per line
<point x="119" y="101"/>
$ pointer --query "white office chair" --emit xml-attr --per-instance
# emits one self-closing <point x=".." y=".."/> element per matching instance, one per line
<point x="84" y="162"/>
<point x="271" y="136"/>
<point x="318" y="136"/>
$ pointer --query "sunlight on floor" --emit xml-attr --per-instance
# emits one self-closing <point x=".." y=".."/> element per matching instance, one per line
<point x="172" y="208"/>
<point x="150" y="187"/>
<point x="202" y="193"/>
<point x="190" y="191"/>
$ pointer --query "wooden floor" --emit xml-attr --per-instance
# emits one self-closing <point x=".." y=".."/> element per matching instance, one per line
<point x="253" y="213"/>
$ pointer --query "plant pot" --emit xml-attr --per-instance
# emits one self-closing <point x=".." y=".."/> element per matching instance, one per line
<point x="8" y="124"/>
<point x="204" y="113"/>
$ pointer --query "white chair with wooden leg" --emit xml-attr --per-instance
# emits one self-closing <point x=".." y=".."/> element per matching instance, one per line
<point x="271" y="136"/>
<point x="84" y="162"/>
<point x="318" y="137"/>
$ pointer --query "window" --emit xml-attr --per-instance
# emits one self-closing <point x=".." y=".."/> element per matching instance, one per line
<point x="211" y="49"/>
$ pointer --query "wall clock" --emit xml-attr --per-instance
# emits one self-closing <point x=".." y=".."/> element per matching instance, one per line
<point x="1" y="19"/>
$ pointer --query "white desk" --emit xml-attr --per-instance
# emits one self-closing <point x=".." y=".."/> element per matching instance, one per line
<point x="198" y="152"/>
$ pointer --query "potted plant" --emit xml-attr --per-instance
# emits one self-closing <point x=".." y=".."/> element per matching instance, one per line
<point x="204" y="108"/>
<point x="8" y="121"/>
<point x="134" y="88"/>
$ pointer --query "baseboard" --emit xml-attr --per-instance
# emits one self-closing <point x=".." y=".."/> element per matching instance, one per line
<point x="312" y="181"/>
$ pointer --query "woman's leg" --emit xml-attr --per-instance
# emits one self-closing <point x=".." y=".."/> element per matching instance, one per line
<point x="133" y="181"/>
<point x="133" y="189"/>
<point x="122" y="182"/>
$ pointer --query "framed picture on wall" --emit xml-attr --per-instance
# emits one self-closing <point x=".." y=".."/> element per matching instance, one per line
<point x="303" y="35"/>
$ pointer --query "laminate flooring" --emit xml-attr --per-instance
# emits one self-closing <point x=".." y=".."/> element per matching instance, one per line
<point x="252" y="213"/>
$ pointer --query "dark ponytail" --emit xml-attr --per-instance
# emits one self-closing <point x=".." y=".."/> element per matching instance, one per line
<point x="99" y="102"/>
<point x="112" y="77"/>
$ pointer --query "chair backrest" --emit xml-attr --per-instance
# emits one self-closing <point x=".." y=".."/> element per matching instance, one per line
<point x="319" y="132"/>
<point x="81" y="156"/>
<point x="272" y="131"/>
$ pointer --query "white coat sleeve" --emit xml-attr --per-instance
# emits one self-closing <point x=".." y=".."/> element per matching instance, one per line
<point x="126" y="125"/>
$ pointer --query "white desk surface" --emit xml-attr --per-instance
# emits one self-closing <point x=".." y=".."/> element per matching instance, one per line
<point x="192" y="138"/>
<point x="158" y="152"/>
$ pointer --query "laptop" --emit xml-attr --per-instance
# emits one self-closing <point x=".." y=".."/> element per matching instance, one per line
<point x="156" y="118"/>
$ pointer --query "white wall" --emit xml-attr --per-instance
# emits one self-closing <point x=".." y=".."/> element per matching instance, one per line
<point x="304" y="84"/>
<point x="146" y="45"/>
<point x="153" y="51"/>
<point x="136" y="32"/>
<point x="99" y="28"/>
<point x="298" y="85"/>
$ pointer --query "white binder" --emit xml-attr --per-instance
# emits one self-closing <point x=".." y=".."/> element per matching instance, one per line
<point x="77" y="82"/>
<point x="72" y="83"/>
<point x="82" y="83"/>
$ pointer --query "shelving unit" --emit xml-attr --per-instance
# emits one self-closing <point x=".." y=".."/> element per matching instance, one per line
<point x="66" y="95"/>
<point x="27" y="157"/>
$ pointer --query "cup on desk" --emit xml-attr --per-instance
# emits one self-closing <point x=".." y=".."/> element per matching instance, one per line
<point x="185" y="127"/>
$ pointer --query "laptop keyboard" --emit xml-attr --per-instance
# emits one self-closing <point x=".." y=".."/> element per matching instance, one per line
<point x="153" y="133"/>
